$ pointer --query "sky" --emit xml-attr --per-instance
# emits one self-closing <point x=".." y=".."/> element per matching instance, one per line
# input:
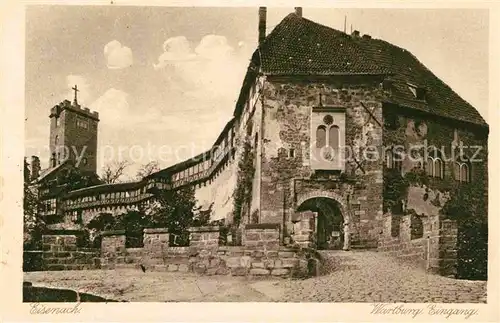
<point x="165" y="79"/>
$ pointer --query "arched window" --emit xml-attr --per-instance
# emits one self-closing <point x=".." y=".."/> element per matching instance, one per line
<point x="321" y="137"/>
<point x="438" y="168"/>
<point x="429" y="166"/>
<point x="435" y="164"/>
<point x="461" y="170"/>
<point x="56" y="140"/>
<point x="464" y="173"/>
<point x="333" y="137"/>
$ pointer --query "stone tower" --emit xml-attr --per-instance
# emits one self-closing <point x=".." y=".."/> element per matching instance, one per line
<point x="73" y="135"/>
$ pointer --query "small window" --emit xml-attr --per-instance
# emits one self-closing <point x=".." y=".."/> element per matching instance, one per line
<point x="333" y="137"/>
<point x="57" y="121"/>
<point x="462" y="170"/>
<point x="321" y="137"/>
<point x="84" y="161"/>
<point x="291" y="153"/>
<point x="82" y="123"/>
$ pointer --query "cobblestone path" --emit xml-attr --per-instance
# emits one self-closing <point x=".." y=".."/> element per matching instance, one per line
<point x="352" y="276"/>
<point x="368" y="276"/>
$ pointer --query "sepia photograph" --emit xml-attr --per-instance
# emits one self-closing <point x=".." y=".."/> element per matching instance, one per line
<point x="257" y="154"/>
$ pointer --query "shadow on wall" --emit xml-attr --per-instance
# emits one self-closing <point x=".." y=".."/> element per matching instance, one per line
<point x="33" y="294"/>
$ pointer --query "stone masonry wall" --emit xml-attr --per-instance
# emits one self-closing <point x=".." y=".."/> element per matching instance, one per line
<point x="434" y="251"/>
<point x="260" y="255"/>
<point x="60" y="252"/>
<point x="286" y="126"/>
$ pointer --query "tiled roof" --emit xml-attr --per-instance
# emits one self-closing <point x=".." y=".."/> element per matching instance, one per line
<point x="298" y="46"/>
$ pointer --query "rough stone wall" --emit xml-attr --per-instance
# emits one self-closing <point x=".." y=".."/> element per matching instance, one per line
<point x="60" y="252"/>
<point x="262" y="256"/>
<point x="403" y="246"/>
<point x="261" y="236"/>
<point x="204" y="237"/>
<point x="286" y="113"/>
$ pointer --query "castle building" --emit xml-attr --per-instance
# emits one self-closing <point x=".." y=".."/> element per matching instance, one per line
<point x="322" y="114"/>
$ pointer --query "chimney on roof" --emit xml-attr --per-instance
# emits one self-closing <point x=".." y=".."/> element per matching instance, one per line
<point x="355" y="34"/>
<point x="262" y="24"/>
<point x="298" y="11"/>
<point x="365" y="36"/>
<point x="35" y="167"/>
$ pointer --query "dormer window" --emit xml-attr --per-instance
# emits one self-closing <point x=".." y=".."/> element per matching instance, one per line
<point x="418" y="92"/>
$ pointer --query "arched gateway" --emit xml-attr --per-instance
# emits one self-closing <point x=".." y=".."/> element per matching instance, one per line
<point x="327" y="217"/>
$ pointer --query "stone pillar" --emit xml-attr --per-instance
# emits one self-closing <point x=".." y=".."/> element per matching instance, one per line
<point x="303" y="230"/>
<point x="156" y="241"/>
<point x="262" y="236"/>
<point x="204" y="237"/>
<point x="112" y="248"/>
<point x="347" y="235"/>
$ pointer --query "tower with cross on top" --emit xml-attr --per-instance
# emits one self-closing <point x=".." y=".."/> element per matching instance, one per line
<point x="73" y="134"/>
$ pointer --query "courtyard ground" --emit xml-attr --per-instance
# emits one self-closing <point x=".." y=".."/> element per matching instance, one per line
<point x="354" y="276"/>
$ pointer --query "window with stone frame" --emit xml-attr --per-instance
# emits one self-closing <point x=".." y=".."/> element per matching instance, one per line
<point x="327" y="138"/>
<point x="416" y="227"/>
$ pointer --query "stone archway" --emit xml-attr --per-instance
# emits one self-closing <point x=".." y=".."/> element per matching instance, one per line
<point x="332" y="217"/>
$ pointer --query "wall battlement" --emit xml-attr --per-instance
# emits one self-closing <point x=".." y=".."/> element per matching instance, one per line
<point x="66" y="104"/>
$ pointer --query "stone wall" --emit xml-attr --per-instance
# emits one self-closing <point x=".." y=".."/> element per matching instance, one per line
<point x="60" y="252"/>
<point x="261" y="254"/>
<point x="434" y="251"/>
<point x="263" y="236"/>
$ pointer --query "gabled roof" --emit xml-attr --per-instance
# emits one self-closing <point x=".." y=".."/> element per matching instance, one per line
<point x="49" y="171"/>
<point x="298" y="46"/>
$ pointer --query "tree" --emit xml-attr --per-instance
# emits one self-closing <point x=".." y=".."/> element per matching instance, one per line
<point x="243" y="192"/>
<point x="147" y="169"/>
<point x="112" y="172"/>
<point x="174" y="210"/>
<point x="75" y="179"/>
<point x="33" y="224"/>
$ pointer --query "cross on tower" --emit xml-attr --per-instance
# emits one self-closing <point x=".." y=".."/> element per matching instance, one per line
<point x="76" y="90"/>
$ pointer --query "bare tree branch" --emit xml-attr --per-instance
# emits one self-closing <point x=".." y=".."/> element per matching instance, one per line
<point x="147" y="169"/>
<point x="111" y="173"/>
